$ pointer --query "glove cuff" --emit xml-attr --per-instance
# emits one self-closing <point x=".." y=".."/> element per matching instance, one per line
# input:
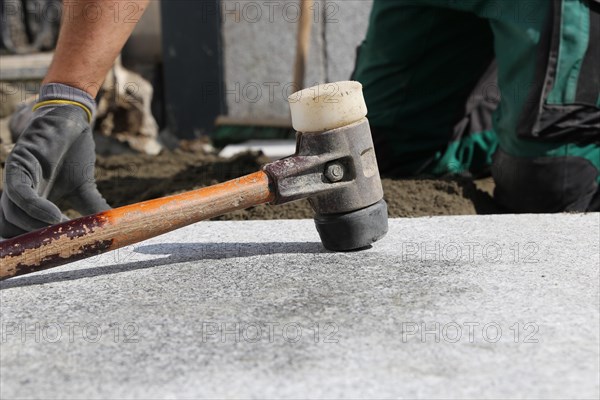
<point x="52" y="94"/>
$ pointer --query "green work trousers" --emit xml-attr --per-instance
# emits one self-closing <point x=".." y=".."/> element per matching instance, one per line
<point x="459" y="86"/>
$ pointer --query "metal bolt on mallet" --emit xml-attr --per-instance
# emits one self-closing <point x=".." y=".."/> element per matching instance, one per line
<point x="334" y="172"/>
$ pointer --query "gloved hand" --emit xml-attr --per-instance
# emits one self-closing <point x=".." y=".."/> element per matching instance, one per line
<point x="53" y="159"/>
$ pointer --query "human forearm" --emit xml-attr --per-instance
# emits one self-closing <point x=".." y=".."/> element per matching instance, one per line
<point x="92" y="34"/>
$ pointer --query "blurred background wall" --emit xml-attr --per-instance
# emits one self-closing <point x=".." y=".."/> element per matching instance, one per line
<point x="261" y="54"/>
<point x="205" y="58"/>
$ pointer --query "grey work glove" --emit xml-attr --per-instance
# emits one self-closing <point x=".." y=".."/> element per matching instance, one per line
<point x="53" y="159"/>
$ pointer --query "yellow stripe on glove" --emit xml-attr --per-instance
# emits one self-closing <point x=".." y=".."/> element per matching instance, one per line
<point x="64" y="102"/>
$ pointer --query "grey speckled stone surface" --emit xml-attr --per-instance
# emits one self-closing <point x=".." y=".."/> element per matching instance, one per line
<point x="216" y="310"/>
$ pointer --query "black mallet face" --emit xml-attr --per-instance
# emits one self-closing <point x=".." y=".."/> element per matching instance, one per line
<point x="355" y="230"/>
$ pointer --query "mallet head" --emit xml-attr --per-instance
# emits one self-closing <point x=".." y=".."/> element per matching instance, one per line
<point x="334" y="166"/>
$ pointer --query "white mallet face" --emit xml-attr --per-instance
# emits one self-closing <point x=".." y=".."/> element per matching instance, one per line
<point x="326" y="107"/>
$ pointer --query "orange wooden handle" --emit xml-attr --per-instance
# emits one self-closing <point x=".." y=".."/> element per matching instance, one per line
<point x="95" y="234"/>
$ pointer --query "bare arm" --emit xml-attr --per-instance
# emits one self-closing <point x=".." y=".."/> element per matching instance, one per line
<point x="92" y="35"/>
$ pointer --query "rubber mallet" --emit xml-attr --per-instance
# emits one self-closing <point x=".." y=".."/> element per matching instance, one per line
<point x="334" y="167"/>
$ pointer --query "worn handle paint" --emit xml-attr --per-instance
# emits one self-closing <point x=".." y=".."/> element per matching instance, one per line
<point x="95" y="234"/>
